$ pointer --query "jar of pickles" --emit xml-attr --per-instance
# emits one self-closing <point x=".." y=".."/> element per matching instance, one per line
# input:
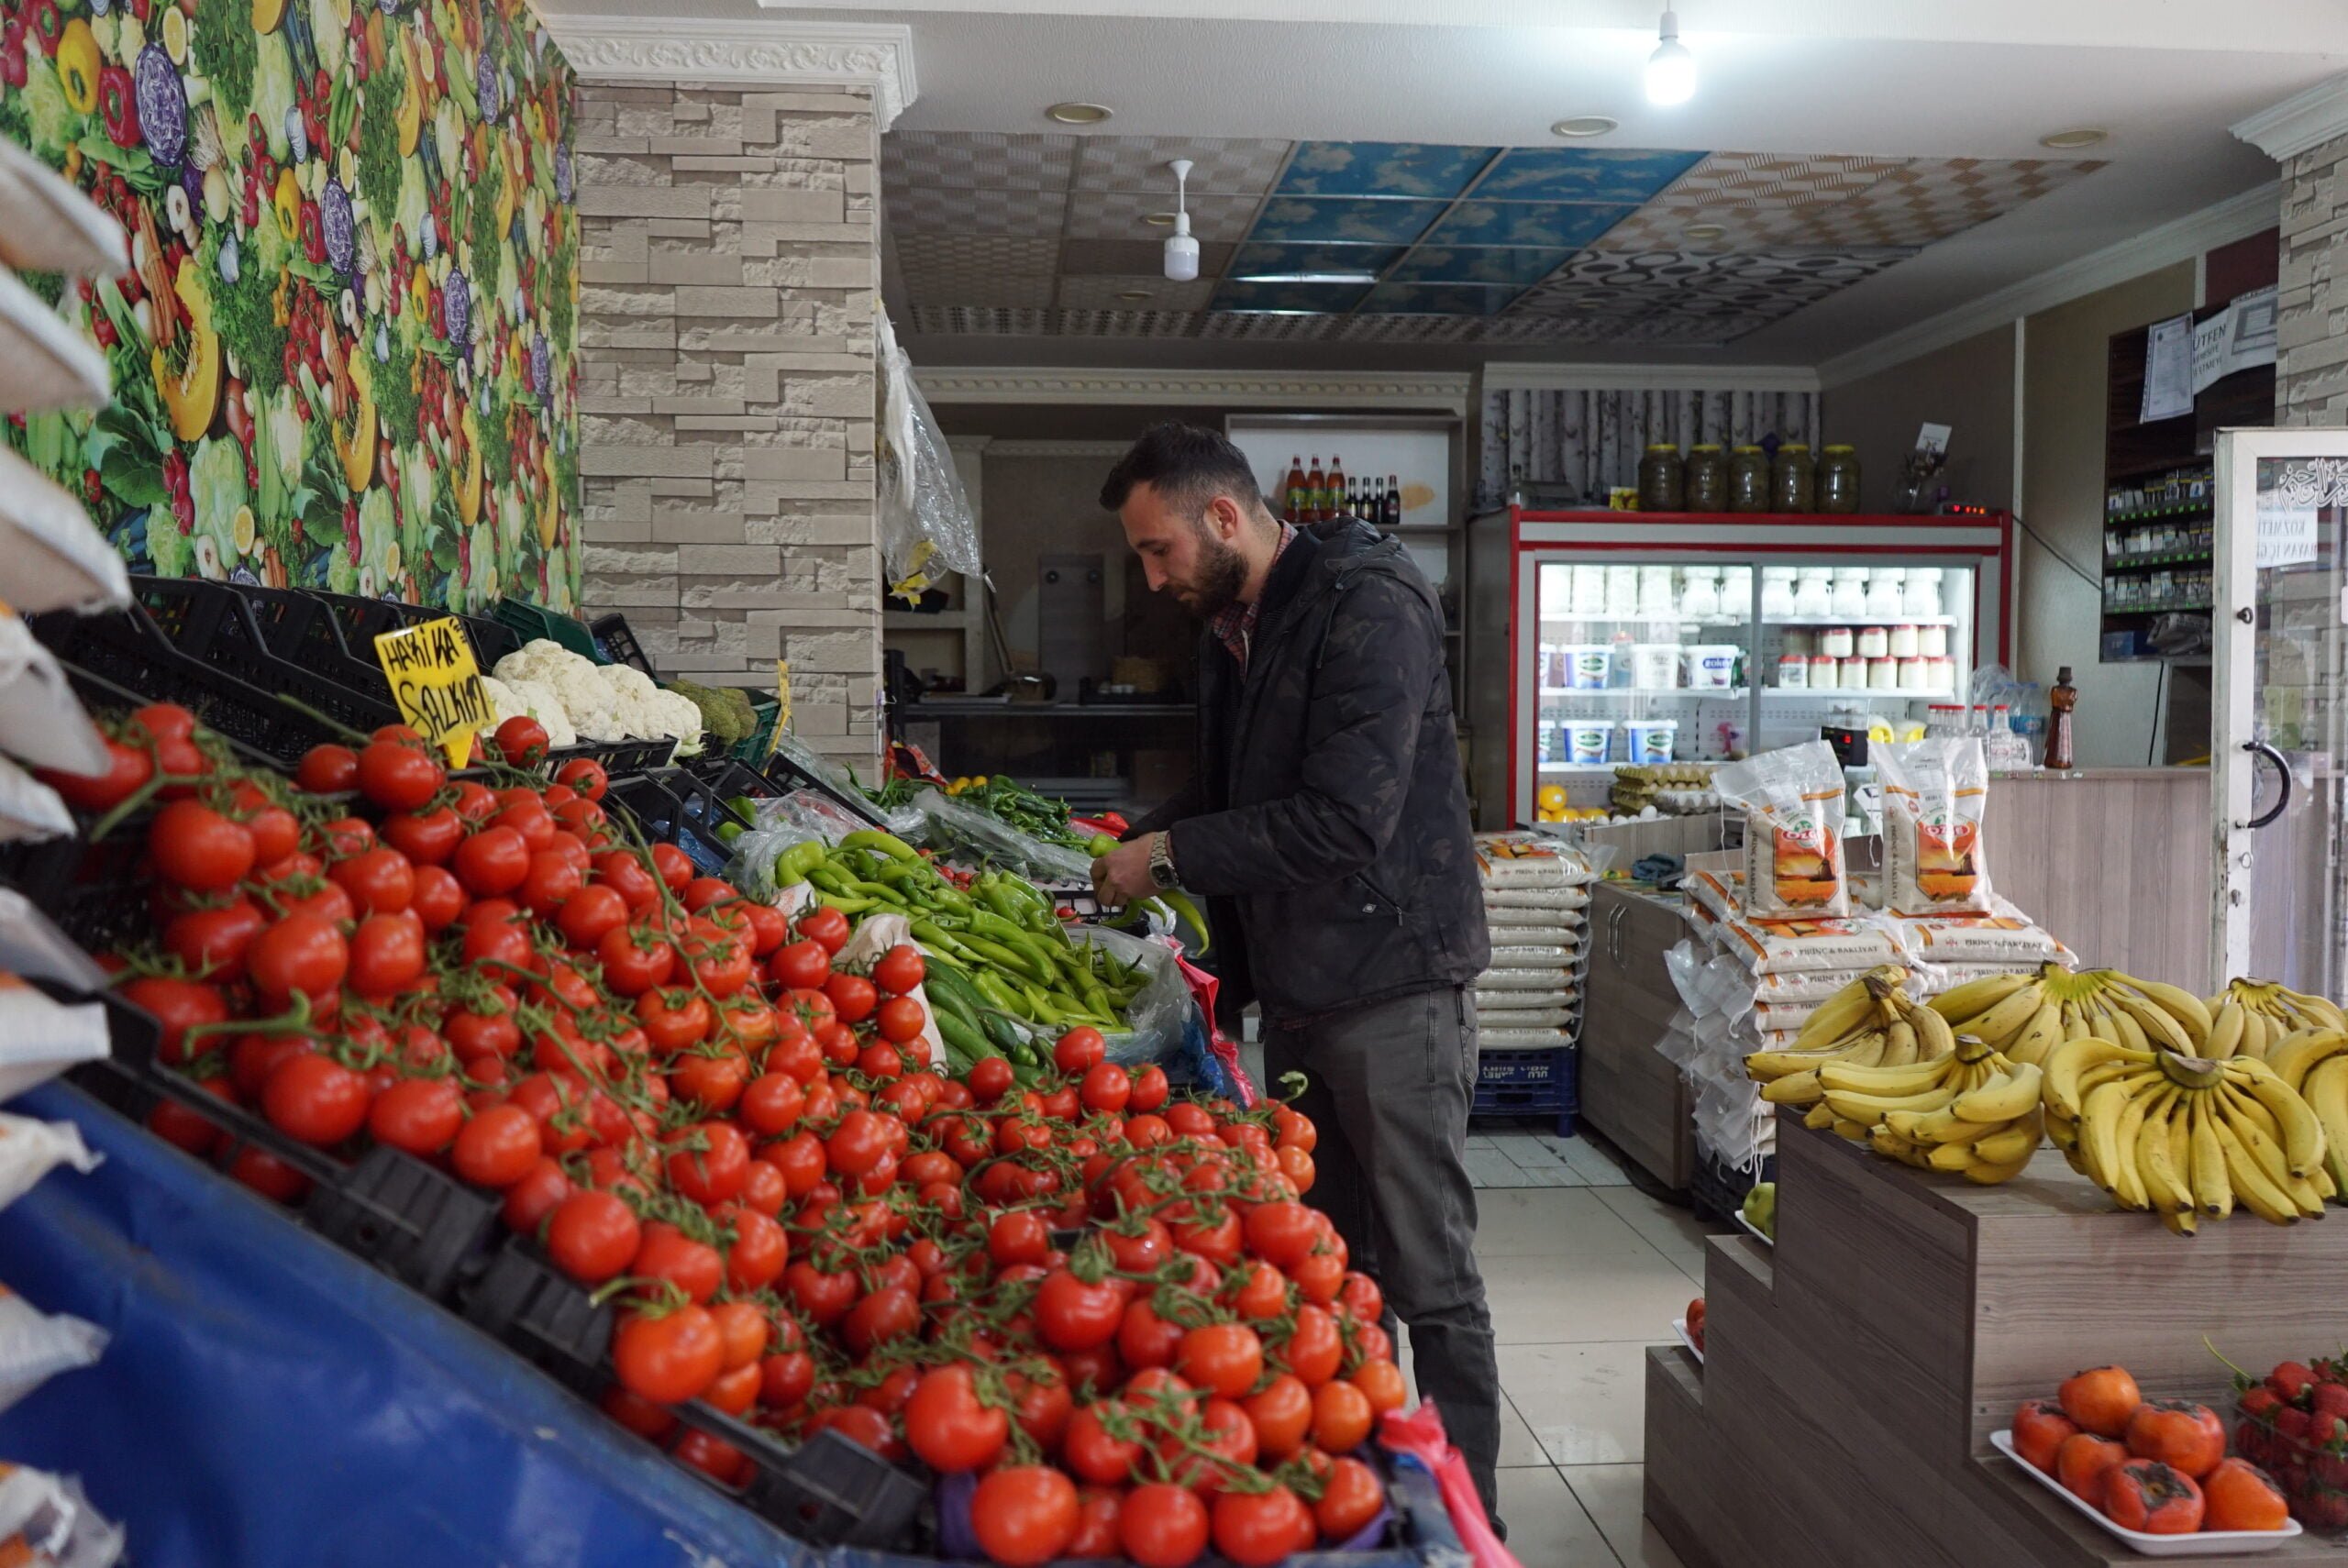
<point x="1707" y="477"/>
<point x="1748" y="480"/>
<point x="1662" y="480"/>
<point x="1794" y="481"/>
<point x="1838" y="479"/>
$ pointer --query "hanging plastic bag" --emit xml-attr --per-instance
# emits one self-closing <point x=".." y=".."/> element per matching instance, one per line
<point x="1419" y="1437"/>
<point x="965" y="833"/>
<point x="39" y="1038"/>
<point x="1159" y="1010"/>
<point x="1211" y="1054"/>
<point x="924" y="519"/>
<point x="871" y="941"/>
<point x="1792" y="801"/>
<point x="34" y="1347"/>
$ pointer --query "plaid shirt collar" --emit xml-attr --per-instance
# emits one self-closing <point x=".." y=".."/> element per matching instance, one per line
<point x="1235" y="624"/>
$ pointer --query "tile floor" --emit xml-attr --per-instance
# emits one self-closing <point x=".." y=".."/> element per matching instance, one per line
<point x="1583" y="1271"/>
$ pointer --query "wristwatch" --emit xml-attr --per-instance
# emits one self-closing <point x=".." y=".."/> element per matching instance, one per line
<point x="1162" y="875"/>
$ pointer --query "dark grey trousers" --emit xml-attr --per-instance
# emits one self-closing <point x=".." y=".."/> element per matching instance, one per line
<point x="1388" y="1086"/>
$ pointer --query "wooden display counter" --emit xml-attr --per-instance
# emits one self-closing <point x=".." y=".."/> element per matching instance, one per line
<point x="2114" y="860"/>
<point x="1631" y="1093"/>
<point x="1854" y="1373"/>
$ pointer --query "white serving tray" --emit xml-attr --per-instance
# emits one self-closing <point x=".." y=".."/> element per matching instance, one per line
<point x="2201" y="1543"/>
<point x="1750" y="1229"/>
<point x="1679" y="1326"/>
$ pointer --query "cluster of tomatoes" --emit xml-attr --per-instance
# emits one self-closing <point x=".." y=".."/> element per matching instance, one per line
<point x="2156" y="1466"/>
<point x="1103" y="1304"/>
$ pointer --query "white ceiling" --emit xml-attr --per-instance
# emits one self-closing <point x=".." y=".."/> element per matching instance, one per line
<point x="1947" y="78"/>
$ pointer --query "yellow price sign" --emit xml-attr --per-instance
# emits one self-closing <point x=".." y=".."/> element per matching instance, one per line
<point x="436" y="684"/>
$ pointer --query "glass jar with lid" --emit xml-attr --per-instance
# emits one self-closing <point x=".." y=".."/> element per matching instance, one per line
<point x="1662" y="480"/>
<point x="1707" y="484"/>
<point x="1838" y="479"/>
<point x="1748" y="480"/>
<point x="1794" y="480"/>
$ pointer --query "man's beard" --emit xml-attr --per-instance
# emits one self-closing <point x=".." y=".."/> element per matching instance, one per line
<point x="1222" y="573"/>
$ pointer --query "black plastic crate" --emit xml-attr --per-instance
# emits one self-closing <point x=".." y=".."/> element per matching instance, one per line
<point x="126" y="649"/>
<point x="362" y="619"/>
<point x="670" y="806"/>
<point x="1717" y="1189"/>
<point x="613" y="635"/>
<point x="300" y="627"/>
<point x="538" y="1312"/>
<point x="215" y="622"/>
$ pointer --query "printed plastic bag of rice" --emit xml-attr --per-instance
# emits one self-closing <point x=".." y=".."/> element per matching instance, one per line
<point x="1935" y="793"/>
<point x="1792" y="801"/>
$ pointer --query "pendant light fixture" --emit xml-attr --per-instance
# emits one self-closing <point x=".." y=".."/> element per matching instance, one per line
<point x="1181" y="250"/>
<point x="1672" y="69"/>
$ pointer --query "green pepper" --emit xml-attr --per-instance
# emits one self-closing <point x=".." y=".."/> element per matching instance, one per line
<point x="845" y="906"/>
<point x="888" y="844"/>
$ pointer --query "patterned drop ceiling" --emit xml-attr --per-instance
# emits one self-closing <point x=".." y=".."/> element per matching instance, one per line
<point x="1377" y="242"/>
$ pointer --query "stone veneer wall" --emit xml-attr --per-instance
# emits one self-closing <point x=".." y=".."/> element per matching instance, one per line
<point x="2312" y="368"/>
<point x="729" y="260"/>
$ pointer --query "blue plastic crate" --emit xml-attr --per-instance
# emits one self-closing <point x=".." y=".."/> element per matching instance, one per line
<point x="1530" y="1083"/>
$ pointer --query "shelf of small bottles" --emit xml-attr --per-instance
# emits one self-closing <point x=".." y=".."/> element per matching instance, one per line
<point x="2156" y="558"/>
<point x="2111" y="608"/>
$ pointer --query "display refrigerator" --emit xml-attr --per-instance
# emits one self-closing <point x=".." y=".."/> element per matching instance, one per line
<point x="1667" y="636"/>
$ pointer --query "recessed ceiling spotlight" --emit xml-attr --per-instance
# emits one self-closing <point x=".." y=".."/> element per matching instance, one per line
<point x="1163" y="220"/>
<point x="1079" y="113"/>
<point x="2078" y="137"/>
<point x="1135" y="296"/>
<point x="1586" y="124"/>
<point x="1703" y="232"/>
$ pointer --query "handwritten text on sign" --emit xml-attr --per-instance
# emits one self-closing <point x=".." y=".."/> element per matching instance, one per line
<point x="436" y="684"/>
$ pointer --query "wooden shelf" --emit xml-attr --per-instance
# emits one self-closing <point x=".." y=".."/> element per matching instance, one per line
<point x="921" y="620"/>
<point x="1852" y="1374"/>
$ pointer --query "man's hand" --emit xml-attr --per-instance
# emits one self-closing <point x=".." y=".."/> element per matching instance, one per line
<point x="1122" y="876"/>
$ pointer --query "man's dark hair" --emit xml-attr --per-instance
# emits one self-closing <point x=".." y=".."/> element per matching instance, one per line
<point x="1187" y="464"/>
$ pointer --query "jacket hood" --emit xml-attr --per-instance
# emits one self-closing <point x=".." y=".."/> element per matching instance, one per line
<point x="1349" y="549"/>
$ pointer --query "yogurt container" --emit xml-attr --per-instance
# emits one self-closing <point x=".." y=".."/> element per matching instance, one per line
<point x="1793" y="671"/>
<point x="1854" y="674"/>
<point x="1585" y="740"/>
<point x="1586" y="666"/>
<point x="1904" y="642"/>
<point x="1836" y="642"/>
<point x="1883" y="674"/>
<point x="1913" y="677"/>
<point x="1712" y="666"/>
<point x="1932" y="642"/>
<point x="1655" y="666"/>
<point x="1874" y="642"/>
<point x="1650" y="739"/>
<point x="1824" y="672"/>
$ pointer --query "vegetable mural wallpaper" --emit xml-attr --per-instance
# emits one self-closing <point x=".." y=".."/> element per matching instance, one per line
<point x="344" y="357"/>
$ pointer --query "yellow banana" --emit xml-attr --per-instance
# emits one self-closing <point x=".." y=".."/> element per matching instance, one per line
<point x="2258" y="1032"/>
<point x="1763" y="1066"/>
<point x="1974" y="998"/>
<point x="1847" y="1010"/>
<point x="2236" y="1122"/>
<point x="2296" y="1055"/>
<point x="2302" y="1131"/>
<point x="2161" y="1183"/>
<point x="2099" y="1130"/>
<point x="1820" y="1116"/>
<point x="2127" y="1181"/>
<point x="2250" y="1186"/>
<point x="2161" y="1027"/>
<point x="2011" y="1094"/>
<point x="2180" y="1148"/>
<point x="1856" y="1132"/>
<point x="2182" y="1222"/>
<point x="1871" y="1108"/>
<point x="1899" y="1044"/>
<point x="2326" y="1011"/>
<point x="2211" y="1186"/>
<point x="1934" y="1038"/>
<point x="2003" y="1147"/>
<point x="1990" y="1175"/>
<point x="2189" y="1013"/>
<point x="2075" y="1058"/>
<point x="2229" y="1031"/>
<point x="2036" y="1040"/>
<point x="1794" y="1089"/>
<point x="1949" y="1157"/>
<point x="1913" y="1078"/>
<point x="2124" y="1028"/>
<point x="1998" y="1023"/>
<point x="2326" y="1089"/>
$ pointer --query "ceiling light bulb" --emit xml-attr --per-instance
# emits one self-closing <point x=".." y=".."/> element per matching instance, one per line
<point x="1672" y="69"/>
<point x="1702" y="232"/>
<point x="1181" y="250"/>
<point x="1163" y="220"/>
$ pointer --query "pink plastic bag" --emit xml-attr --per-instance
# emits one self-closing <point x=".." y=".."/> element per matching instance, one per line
<point x="1419" y="1435"/>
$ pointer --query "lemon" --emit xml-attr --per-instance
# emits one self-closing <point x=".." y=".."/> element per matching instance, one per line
<point x="287" y="201"/>
<point x="175" y="35"/>
<point x="244" y="523"/>
<point x="392" y="559"/>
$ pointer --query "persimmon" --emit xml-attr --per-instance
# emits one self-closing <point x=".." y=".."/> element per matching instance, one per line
<point x="2040" y="1426"/>
<point x="2178" y="1433"/>
<point x="2240" y="1495"/>
<point x="2155" y="1499"/>
<point x="2083" y="1461"/>
<point x="2100" y="1399"/>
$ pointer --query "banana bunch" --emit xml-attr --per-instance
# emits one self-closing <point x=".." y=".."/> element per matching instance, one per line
<point x="1971" y="1113"/>
<point x="2189" y="1136"/>
<point x="2024" y="1016"/>
<point x="1868" y="1023"/>
<point x="2249" y="1018"/>
<point x="2315" y="1063"/>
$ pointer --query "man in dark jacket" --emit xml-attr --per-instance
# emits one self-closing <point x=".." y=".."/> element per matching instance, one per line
<point x="1327" y="826"/>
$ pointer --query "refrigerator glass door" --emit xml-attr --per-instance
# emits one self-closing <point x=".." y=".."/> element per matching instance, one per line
<point x="1636" y="662"/>
<point x="2277" y="801"/>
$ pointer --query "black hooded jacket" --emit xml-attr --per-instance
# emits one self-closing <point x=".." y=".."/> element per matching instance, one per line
<point x="1327" y="824"/>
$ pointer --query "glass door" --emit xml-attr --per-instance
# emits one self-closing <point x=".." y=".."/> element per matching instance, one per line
<point x="1883" y="649"/>
<point x="1640" y="661"/>
<point x="2276" y="793"/>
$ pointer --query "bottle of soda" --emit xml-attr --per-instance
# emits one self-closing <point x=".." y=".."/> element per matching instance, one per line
<point x="1391" y="510"/>
<point x="1340" y="499"/>
<point x="1294" y="497"/>
<point x="1316" y="492"/>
